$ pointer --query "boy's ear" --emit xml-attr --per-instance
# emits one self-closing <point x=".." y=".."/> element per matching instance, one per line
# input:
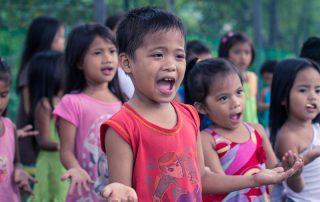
<point x="200" y="108"/>
<point x="124" y="62"/>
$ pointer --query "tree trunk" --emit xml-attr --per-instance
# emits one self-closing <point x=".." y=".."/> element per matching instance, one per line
<point x="274" y="32"/>
<point x="99" y="11"/>
<point x="257" y="23"/>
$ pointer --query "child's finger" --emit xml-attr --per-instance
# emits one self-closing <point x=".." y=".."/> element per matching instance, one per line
<point x="65" y="176"/>
<point x="71" y="188"/>
<point x="106" y="192"/>
<point x="278" y="169"/>
<point x="27" y="127"/>
<point x="79" y="188"/>
<point x="31" y="179"/>
<point x="32" y="133"/>
<point x="86" y="187"/>
<point x="28" y="189"/>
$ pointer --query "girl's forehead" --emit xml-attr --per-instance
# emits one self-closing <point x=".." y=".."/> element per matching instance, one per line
<point x="224" y="82"/>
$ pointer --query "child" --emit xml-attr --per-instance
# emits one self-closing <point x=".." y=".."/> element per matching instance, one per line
<point x="126" y="86"/>
<point x="238" y="48"/>
<point x="266" y="72"/>
<point x="295" y="102"/>
<point x="45" y="86"/>
<point x="230" y="146"/>
<point x="152" y="143"/>
<point x="197" y="49"/>
<point x="44" y="33"/>
<point x="311" y="49"/>
<point x="93" y="95"/>
<point x="12" y="177"/>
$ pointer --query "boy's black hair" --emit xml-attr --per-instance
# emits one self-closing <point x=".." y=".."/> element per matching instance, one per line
<point x="203" y="73"/>
<point x="268" y="66"/>
<point x="78" y="44"/>
<point x="5" y="72"/>
<point x="195" y="48"/>
<point x="311" y="49"/>
<point x="45" y="78"/>
<point x="40" y="36"/>
<point x="141" y="22"/>
<point x="283" y="78"/>
<point x="229" y="40"/>
<point x="114" y="20"/>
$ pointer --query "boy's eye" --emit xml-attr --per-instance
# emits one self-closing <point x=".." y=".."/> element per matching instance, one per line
<point x="97" y="52"/>
<point x="240" y="92"/>
<point x="157" y="55"/>
<point x="4" y="95"/>
<point x="318" y="90"/>
<point x="181" y="56"/>
<point x="112" y="51"/>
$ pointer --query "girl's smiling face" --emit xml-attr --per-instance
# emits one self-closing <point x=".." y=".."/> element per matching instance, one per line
<point x="241" y="55"/>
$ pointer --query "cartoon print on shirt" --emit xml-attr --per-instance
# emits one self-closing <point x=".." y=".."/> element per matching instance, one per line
<point x="174" y="170"/>
<point x="3" y="168"/>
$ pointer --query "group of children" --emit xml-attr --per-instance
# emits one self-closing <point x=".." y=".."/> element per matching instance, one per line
<point x="121" y="144"/>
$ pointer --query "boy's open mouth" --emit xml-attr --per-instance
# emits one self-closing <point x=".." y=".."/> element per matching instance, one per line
<point x="165" y="85"/>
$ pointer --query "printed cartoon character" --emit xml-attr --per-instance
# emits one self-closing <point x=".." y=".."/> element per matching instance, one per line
<point x="170" y="186"/>
<point x="3" y="168"/>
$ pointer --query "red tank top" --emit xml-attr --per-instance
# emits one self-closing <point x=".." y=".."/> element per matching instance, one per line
<point x="165" y="160"/>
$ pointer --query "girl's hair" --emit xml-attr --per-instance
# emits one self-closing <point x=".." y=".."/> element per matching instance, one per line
<point x="229" y="40"/>
<point x="40" y="36"/>
<point x="190" y="65"/>
<point x="283" y="78"/>
<point x="5" y="73"/>
<point x="203" y="73"/>
<point x="45" y="77"/>
<point x="78" y="44"/>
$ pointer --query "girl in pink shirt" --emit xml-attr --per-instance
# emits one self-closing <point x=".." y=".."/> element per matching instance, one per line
<point x="92" y="96"/>
<point x="12" y="176"/>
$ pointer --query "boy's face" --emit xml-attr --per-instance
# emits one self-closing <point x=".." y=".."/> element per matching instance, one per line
<point x="158" y="66"/>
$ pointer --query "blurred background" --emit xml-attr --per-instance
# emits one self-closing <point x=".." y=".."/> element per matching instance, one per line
<point x="277" y="27"/>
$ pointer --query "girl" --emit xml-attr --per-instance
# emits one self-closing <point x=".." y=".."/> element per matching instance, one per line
<point x="45" y="86"/>
<point x="93" y="95"/>
<point x="230" y="146"/>
<point x="44" y="33"/>
<point x="295" y="103"/>
<point x="12" y="176"/>
<point x="238" y="48"/>
<point x="152" y="143"/>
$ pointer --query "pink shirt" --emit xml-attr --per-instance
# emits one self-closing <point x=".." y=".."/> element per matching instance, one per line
<point x="87" y="114"/>
<point x="165" y="160"/>
<point x="8" y="189"/>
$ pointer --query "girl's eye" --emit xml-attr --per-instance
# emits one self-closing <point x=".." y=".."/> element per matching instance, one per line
<point x="240" y="92"/>
<point x="4" y="95"/>
<point x="223" y="98"/>
<point x="97" y="52"/>
<point x="318" y="90"/>
<point x="302" y="90"/>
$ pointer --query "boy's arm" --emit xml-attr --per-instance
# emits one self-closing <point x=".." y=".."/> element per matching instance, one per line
<point x="120" y="163"/>
<point x="211" y="181"/>
<point x="211" y="158"/>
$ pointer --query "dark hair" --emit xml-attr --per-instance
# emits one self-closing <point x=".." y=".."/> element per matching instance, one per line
<point x="203" y="73"/>
<point x="268" y="66"/>
<point x="284" y="76"/>
<point x="114" y="20"/>
<point x="229" y="40"/>
<point x="195" y="48"/>
<point x="311" y="49"/>
<point x="5" y="73"/>
<point x="141" y="22"/>
<point x="45" y="78"/>
<point x="190" y="65"/>
<point x="40" y="36"/>
<point x="78" y="44"/>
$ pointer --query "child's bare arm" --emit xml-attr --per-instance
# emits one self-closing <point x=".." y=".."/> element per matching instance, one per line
<point x="211" y="158"/>
<point x="42" y="119"/>
<point x="233" y="183"/>
<point x="284" y="144"/>
<point x="311" y="155"/>
<point x="80" y="179"/>
<point x="120" y="163"/>
<point x="271" y="161"/>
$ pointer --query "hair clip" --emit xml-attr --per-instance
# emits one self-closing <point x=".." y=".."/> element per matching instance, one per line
<point x="224" y="39"/>
<point x="230" y="34"/>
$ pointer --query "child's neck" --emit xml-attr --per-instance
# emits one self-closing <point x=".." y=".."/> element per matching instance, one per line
<point x="100" y="92"/>
<point x="2" y="128"/>
<point x="294" y="122"/>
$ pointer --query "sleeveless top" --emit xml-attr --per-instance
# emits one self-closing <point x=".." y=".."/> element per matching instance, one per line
<point x="165" y="160"/>
<point x="310" y="174"/>
<point x="245" y="158"/>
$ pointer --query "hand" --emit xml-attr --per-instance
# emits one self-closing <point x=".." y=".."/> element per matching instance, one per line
<point x="276" y="175"/>
<point x="119" y="192"/>
<point x="289" y="159"/>
<point x="22" y="179"/>
<point x="26" y="131"/>
<point x="79" y="180"/>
